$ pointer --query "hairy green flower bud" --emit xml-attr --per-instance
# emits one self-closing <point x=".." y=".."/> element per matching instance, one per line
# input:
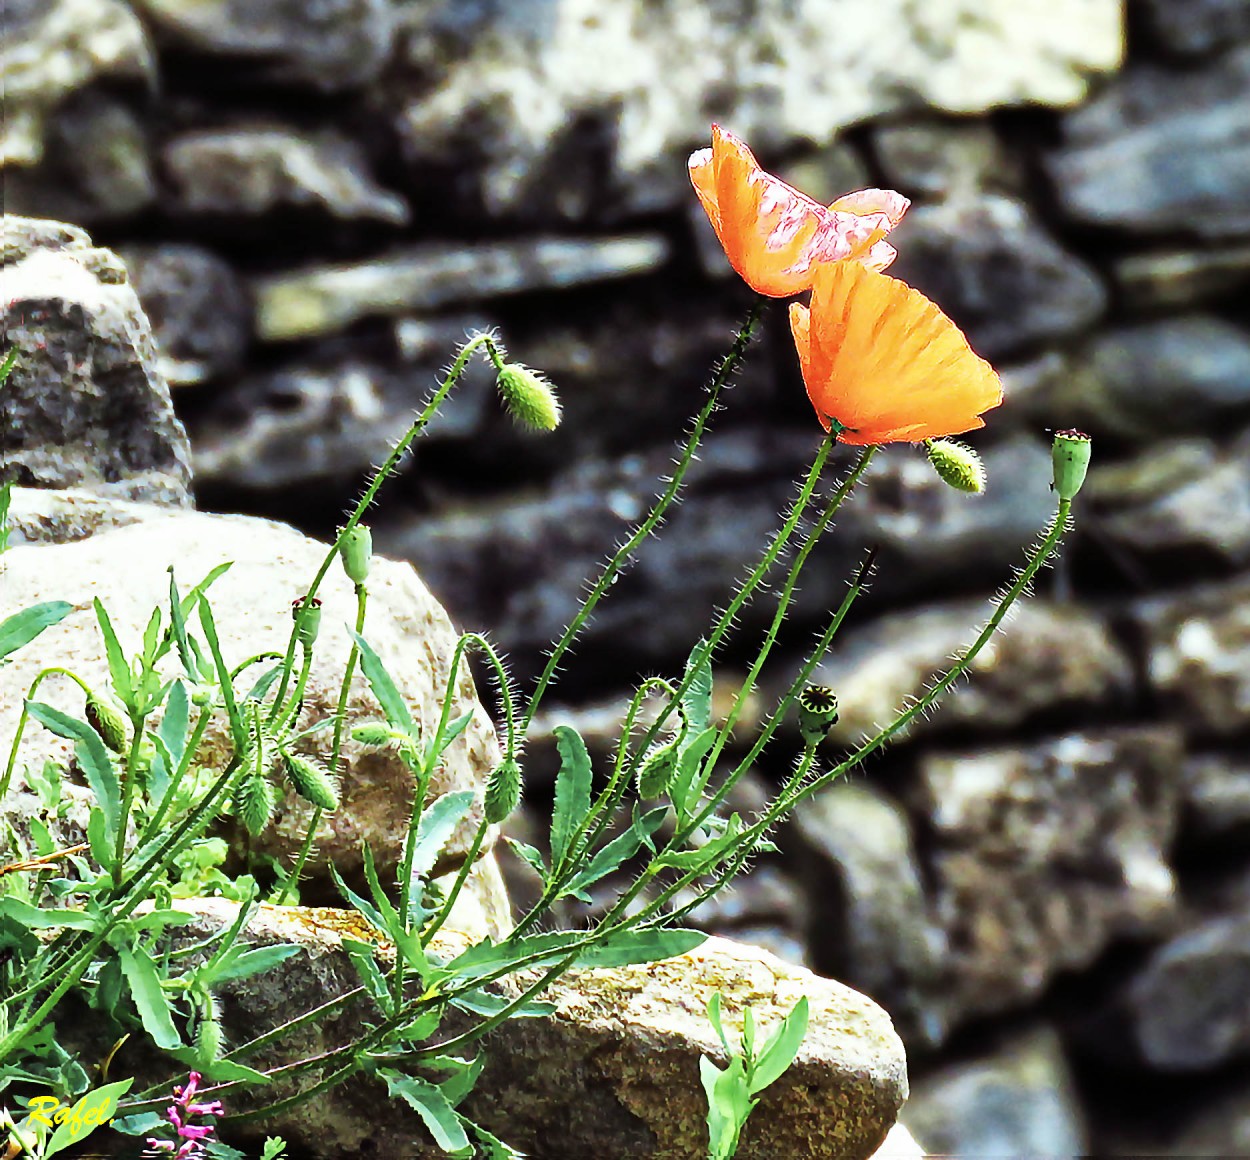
<point x="529" y="397"/>
<point x="109" y="722"/>
<point x="657" y="770"/>
<point x="253" y="802"/>
<point x="309" y="622"/>
<point x="818" y="713"/>
<point x="503" y="791"/>
<point x="311" y="780"/>
<point x="1070" y="453"/>
<point x="957" y="465"/>
<point x="373" y="733"/>
<point x="356" y="551"/>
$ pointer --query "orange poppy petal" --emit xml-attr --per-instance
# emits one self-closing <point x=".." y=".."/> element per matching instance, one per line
<point x="885" y="362"/>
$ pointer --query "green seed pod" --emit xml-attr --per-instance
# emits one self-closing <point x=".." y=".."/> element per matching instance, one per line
<point x="957" y="465"/>
<point x="1070" y="453"/>
<point x="356" y="551"/>
<point x="373" y="733"/>
<point x="109" y="722"/>
<point x="309" y="622"/>
<point x="530" y="399"/>
<point x="312" y="781"/>
<point x="253" y="802"/>
<point x="657" y="770"/>
<point x="503" y="791"/>
<point x="818" y="713"/>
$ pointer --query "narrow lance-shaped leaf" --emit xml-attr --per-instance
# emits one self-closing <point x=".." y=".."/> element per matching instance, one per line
<point x="434" y="1109"/>
<point x="149" y="996"/>
<point x="388" y="696"/>
<point x="92" y="754"/>
<point x="696" y="702"/>
<point x="572" y="797"/>
<point x="438" y="823"/>
<point x="22" y="627"/>
<point x="119" y="671"/>
<point x="779" y="1051"/>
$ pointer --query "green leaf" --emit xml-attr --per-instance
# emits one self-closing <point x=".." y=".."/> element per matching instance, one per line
<point x="453" y="730"/>
<point x="217" y="1070"/>
<point x="119" y="670"/>
<point x="641" y="946"/>
<point x="696" y="702"/>
<point x="572" y="802"/>
<point x="92" y="755"/>
<point x="434" y="1109"/>
<point x="255" y="961"/>
<point x="464" y="1076"/>
<point x="88" y="1113"/>
<point x="438" y="823"/>
<point x="685" y="785"/>
<point x="496" y="1149"/>
<point x="149" y="996"/>
<point x="388" y="696"/>
<point x="486" y="957"/>
<point x="532" y="857"/>
<point x="22" y="627"/>
<point x="728" y="1105"/>
<point x="238" y="727"/>
<point x="33" y="918"/>
<point x="705" y="857"/>
<point x="779" y="1051"/>
<point x="362" y="955"/>
<point x="713" y="1015"/>
<point x="620" y="849"/>
<point x="485" y="1003"/>
<point x="98" y="838"/>
<point x="407" y="944"/>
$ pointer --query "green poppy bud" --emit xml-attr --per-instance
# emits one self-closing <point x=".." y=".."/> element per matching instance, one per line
<point x="658" y="768"/>
<point x="503" y="791"/>
<point x="309" y="621"/>
<point x="254" y="802"/>
<point x="373" y="733"/>
<point x="109" y="722"/>
<point x="530" y="399"/>
<point x="818" y="713"/>
<point x="957" y="465"/>
<point x="356" y="551"/>
<point x="1070" y="453"/>
<point x="311" y="780"/>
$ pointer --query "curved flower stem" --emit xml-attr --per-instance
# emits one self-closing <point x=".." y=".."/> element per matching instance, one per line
<point x="656" y="515"/>
<point x="24" y="716"/>
<point x="175" y="780"/>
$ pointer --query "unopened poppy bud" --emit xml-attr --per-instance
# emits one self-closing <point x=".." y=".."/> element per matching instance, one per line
<point x="356" y="551"/>
<point x="309" y="621"/>
<point x="253" y="803"/>
<point x="311" y="781"/>
<point x="530" y="399"/>
<point x="658" y="768"/>
<point x="108" y="721"/>
<point x="957" y="465"/>
<point x="373" y="733"/>
<point x="1070" y="453"/>
<point x="203" y="696"/>
<point x="818" y="713"/>
<point x="503" y="791"/>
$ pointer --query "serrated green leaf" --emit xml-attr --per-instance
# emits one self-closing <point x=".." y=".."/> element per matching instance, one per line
<point x="385" y="692"/>
<point x="434" y="1109"/>
<point x="641" y="946"/>
<point x="572" y="797"/>
<point x="119" y="670"/>
<point x="22" y="627"/>
<point x="149" y="996"/>
<point x="486" y="957"/>
<point x="696" y="702"/>
<point x="485" y="1003"/>
<point x="620" y="849"/>
<point x="780" y="1049"/>
<point x="254" y="961"/>
<point x="92" y="755"/>
<point x="704" y="857"/>
<point x="217" y="1070"/>
<point x="496" y="1149"/>
<point x="437" y="824"/>
<point x="362" y="956"/>
<point x="531" y="856"/>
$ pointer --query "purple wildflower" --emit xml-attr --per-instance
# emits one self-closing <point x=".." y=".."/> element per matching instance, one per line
<point x="189" y="1144"/>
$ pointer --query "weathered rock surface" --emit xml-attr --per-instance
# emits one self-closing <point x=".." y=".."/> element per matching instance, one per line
<point x="249" y="170"/>
<point x="1162" y="152"/>
<point x="640" y="82"/>
<point x="945" y="160"/>
<point x="1197" y="27"/>
<point x="992" y="267"/>
<point x="322" y="300"/>
<point x="62" y="515"/>
<point x="86" y="405"/>
<point x="1020" y="1101"/>
<point x="1038" y="858"/>
<point x="1216" y="787"/>
<point x="1198" y="656"/>
<point x="1170" y="278"/>
<point x="126" y="569"/>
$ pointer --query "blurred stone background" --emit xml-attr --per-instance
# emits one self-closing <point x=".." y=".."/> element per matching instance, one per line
<point x="1048" y="885"/>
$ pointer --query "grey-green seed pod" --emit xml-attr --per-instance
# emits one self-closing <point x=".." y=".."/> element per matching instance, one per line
<point x="253" y="802"/>
<point x="530" y="398"/>
<point x="109" y="722"/>
<point x="311" y="780"/>
<point x="356" y="552"/>
<point x="957" y="465"/>
<point x="503" y="791"/>
<point x="656" y="772"/>
<point x="818" y="713"/>
<point x="1070" y="454"/>
<point x="373" y="733"/>
<point x="309" y="623"/>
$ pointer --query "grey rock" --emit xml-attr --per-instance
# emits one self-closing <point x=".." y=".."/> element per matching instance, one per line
<point x="999" y="275"/>
<point x="1197" y="645"/>
<point x="956" y="160"/>
<point x="127" y="568"/>
<point x="1172" y="278"/>
<point x="1216" y="789"/>
<point x="1040" y="857"/>
<point x="198" y="306"/>
<point x="1162" y="152"/>
<point x="53" y="47"/>
<point x="1046" y="656"/>
<point x="641" y="80"/>
<point x="1189" y="1007"/>
<point x="330" y="45"/>
<point x="250" y="170"/>
<point x="1197" y="27"/>
<point x="1185" y="497"/>
<point x="86" y="405"/>
<point x="1178" y="374"/>
<point x="1019" y="1101"/>
<point x="870" y="923"/>
<point x="63" y="515"/>
<point x="322" y="300"/>
<point x="97" y="164"/>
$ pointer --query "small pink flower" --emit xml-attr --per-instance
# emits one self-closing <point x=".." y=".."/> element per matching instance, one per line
<point x="180" y="1114"/>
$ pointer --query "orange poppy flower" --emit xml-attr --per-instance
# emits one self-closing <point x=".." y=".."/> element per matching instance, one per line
<point x="885" y="363"/>
<point x="776" y="236"/>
